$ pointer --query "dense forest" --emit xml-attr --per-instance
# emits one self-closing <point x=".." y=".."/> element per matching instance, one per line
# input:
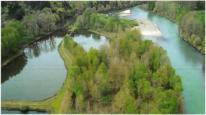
<point x="129" y="76"/>
<point x="22" y="22"/>
<point x="190" y="17"/>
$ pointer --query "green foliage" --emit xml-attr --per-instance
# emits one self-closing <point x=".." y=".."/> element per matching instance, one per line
<point x="12" y="38"/>
<point x="141" y="81"/>
<point x="44" y="17"/>
<point x="192" y="29"/>
<point x="124" y="102"/>
<point x="139" y="72"/>
<point x="97" y="21"/>
<point x="129" y="76"/>
<point x="190" y="17"/>
<point x="176" y="10"/>
<point x="40" y="22"/>
<point x="151" y="5"/>
<point x="17" y="33"/>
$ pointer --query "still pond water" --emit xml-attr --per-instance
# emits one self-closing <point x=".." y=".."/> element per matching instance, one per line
<point x="40" y="72"/>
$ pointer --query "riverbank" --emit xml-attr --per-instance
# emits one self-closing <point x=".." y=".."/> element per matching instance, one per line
<point x="186" y="61"/>
<point x="147" y="28"/>
<point x="188" y="17"/>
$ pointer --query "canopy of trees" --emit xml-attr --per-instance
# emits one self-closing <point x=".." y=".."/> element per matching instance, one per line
<point x="129" y="76"/>
<point x="11" y="38"/>
<point x="39" y="18"/>
<point x="40" y="22"/>
<point x="192" y="29"/>
<point x="96" y="21"/>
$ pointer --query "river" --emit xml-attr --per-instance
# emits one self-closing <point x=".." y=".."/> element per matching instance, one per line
<point x="184" y="58"/>
<point x="40" y="72"/>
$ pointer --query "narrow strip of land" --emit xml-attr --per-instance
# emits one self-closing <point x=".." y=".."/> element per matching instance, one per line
<point x="27" y="105"/>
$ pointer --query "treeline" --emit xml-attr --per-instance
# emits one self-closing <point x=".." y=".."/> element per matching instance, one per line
<point x="101" y="22"/>
<point x="17" y="10"/>
<point x="190" y="15"/>
<point x="39" y="18"/>
<point x="129" y="76"/>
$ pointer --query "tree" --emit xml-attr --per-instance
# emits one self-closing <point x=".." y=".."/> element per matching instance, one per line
<point x="12" y="37"/>
<point x="139" y="72"/>
<point x="151" y="5"/>
<point x="124" y="102"/>
<point x="40" y="22"/>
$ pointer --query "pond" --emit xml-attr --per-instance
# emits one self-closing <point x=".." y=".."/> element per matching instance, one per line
<point x="90" y="40"/>
<point x="40" y="72"/>
<point x="37" y="74"/>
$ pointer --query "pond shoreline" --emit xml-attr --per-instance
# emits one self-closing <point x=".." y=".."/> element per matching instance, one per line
<point x="43" y="105"/>
<point x="65" y="84"/>
<point x="19" y="53"/>
<point x="47" y="105"/>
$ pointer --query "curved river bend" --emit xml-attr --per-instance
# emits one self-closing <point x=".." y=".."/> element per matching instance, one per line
<point x="184" y="58"/>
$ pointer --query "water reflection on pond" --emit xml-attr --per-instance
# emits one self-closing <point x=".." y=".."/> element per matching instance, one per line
<point x="37" y="74"/>
<point x="39" y="47"/>
<point x="40" y="72"/>
<point x="90" y="40"/>
<point x="17" y="67"/>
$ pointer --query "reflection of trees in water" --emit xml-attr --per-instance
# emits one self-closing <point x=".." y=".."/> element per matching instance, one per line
<point x="88" y="34"/>
<point x="96" y="36"/>
<point x="45" y="45"/>
<point x="13" y="68"/>
<point x="83" y="32"/>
